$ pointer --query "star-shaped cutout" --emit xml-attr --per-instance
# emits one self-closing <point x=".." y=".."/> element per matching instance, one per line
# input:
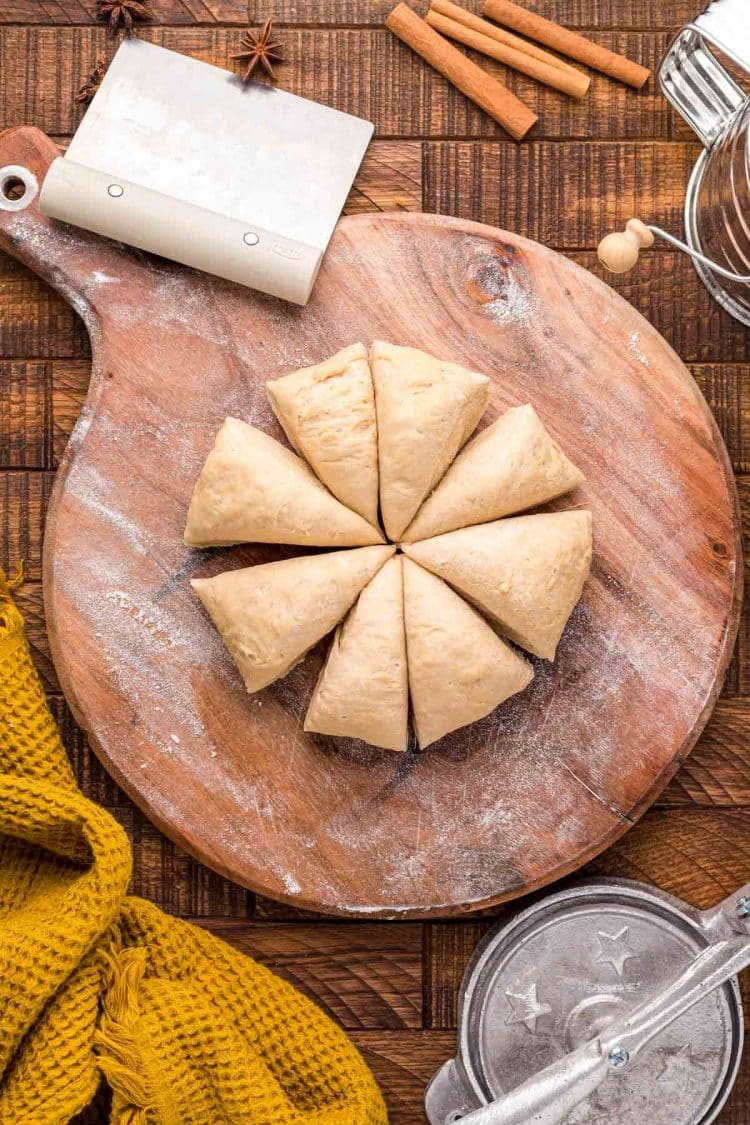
<point x="676" y="1066"/>
<point x="525" y="1006"/>
<point x="614" y="949"/>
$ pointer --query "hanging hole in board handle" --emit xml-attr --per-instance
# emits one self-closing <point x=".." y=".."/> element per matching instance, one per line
<point x="18" y="187"/>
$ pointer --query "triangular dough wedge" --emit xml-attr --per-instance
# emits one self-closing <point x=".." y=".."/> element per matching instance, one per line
<point x="328" y="414"/>
<point x="270" y="615"/>
<point x="525" y="573"/>
<point x="512" y="465"/>
<point x="363" y="690"/>
<point x="459" y="669"/>
<point x="426" y="409"/>
<point x="253" y="490"/>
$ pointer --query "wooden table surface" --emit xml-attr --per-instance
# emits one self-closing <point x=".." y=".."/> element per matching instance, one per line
<point x="585" y="169"/>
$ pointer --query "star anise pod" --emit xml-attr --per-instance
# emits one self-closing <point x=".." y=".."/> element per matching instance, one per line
<point x="91" y="86"/>
<point x="123" y="13"/>
<point x="258" y="48"/>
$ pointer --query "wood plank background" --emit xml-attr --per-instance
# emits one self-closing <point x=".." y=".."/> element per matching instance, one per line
<point x="586" y="168"/>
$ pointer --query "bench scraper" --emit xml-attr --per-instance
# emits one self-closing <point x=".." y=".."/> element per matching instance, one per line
<point x="182" y="159"/>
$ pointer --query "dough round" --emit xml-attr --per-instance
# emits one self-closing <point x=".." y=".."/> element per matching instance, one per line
<point x="512" y="465"/>
<point x="426" y="409"/>
<point x="271" y="615"/>
<point x="526" y="573"/>
<point x="459" y="669"/>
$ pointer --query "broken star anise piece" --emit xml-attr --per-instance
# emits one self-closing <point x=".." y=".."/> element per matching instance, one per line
<point x="258" y="48"/>
<point x="91" y="86"/>
<point x="123" y="13"/>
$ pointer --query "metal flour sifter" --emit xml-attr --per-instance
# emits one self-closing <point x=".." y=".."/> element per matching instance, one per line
<point x="608" y="1003"/>
<point x="717" y="205"/>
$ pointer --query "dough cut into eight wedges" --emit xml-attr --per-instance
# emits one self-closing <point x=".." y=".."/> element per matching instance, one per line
<point x="388" y="432"/>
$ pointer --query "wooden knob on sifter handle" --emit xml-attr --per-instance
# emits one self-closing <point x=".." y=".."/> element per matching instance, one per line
<point x="619" y="251"/>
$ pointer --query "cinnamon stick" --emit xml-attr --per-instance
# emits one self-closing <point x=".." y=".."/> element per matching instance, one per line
<point x="566" y="42"/>
<point x="460" y="15"/>
<point x="494" y="98"/>
<point x="570" y="81"/>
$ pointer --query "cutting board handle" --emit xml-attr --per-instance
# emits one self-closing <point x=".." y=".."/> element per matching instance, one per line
<point x="73" y="261"/>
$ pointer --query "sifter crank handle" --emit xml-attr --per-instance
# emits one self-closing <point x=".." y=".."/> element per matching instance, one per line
<point x="618" y="252"/>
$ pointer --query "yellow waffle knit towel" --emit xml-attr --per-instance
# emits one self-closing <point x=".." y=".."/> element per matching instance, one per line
<point x="185" y="1030"/>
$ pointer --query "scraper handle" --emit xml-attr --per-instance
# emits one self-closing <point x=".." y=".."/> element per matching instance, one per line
<point x="183" y="232"/>
<point x="708" y="971"/>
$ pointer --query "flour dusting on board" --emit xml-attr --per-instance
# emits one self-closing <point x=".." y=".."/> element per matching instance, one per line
<point x="523" y="791"/>
<point x="139" y="641"/>
<point x="291" y="886"/>
<point x="514" y="304"/>
<point x="634" y="348"/>
<point x="87" y="485"/>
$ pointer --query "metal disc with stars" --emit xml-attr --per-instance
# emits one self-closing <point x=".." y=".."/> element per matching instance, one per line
<point x="569" y="966"/>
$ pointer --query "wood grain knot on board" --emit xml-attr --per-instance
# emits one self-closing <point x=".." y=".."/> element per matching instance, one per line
<point x="498" y="281"/>
<point x="488" y="277"/>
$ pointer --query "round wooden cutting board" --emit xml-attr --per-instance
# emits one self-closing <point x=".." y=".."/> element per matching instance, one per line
<point x="504" y="806"/>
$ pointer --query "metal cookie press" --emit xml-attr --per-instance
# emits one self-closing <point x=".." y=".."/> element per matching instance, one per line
<point x="609" y="1003"/>
<point x="180" y="158"/>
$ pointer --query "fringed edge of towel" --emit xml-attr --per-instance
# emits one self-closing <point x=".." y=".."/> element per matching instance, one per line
<point x="115" y="1040"/>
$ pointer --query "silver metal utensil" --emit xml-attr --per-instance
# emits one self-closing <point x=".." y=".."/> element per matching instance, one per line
<point x="694" y="77"/>
<point x="608" y="1002"/>
<point x="549" y="1097"/>
<point x="180" y="158"/>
